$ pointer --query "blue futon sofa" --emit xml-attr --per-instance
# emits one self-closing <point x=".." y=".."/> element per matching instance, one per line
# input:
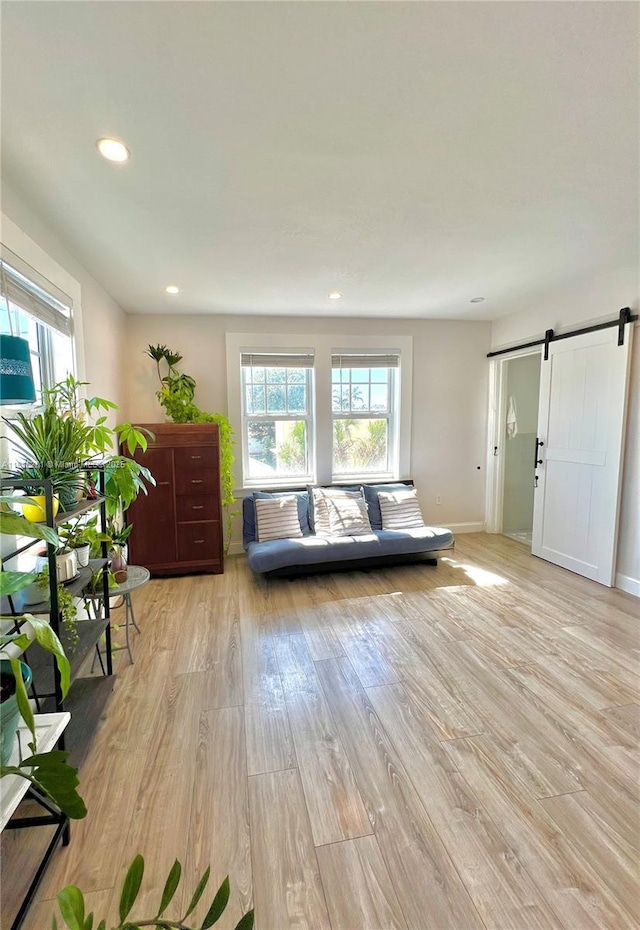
<point x="313" y="553"/>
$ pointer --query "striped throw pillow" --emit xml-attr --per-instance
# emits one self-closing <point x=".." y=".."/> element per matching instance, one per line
<point x="321" y="520"/>
<point x="400" y="510"/>
<point x="277" y="518"/>
<point x="348" y="517"/>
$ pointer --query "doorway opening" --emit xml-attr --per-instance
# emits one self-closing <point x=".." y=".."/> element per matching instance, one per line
<point x="519" y="430"/>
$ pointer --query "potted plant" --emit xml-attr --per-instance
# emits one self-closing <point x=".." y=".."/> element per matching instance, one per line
<point x="124" y="477"/>
<point x="50" y="446"/>
<point x="9" y="710"/>
<point x="118" y="536"/>
<point x="176" y="396"/>
<point x="66" y="602"/>
<point x="33" y="506"/>
<point x="84" y="537"/>
<point x="73" y="910"/>
<point x="47" y="772"/>
<point x="68" y="438"/>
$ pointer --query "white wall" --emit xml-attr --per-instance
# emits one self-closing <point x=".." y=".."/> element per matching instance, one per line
<point x="596" y="300"/>
<point x="100" y="322"/>
<point x="449" y="390"/>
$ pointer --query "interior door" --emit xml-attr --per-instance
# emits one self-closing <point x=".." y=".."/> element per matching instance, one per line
<point x="583" y="390"/>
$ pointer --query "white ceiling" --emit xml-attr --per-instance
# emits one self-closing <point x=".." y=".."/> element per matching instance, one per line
<point x="411" y="155"/>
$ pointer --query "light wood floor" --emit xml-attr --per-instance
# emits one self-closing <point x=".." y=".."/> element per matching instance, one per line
<point x="450" y="748"/>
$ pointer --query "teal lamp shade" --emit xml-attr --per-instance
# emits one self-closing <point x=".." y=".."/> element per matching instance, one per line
<point x="16" y="375"/>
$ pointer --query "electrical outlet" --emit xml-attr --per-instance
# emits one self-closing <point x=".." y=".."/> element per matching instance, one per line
<point x="439" y="499"/>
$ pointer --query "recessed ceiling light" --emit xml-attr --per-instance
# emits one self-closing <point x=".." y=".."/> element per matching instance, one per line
<point x="113" y="150"/>
<point x="476" y="300"/>
<point x="172" y="289"/>
<point x="334" y="295"/>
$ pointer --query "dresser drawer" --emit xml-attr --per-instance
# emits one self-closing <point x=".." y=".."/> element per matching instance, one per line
<point x="194" y="507"/>
<point x="202" y="482"/>
<point x="198" y="457"/>
<point x="199" y="542"/>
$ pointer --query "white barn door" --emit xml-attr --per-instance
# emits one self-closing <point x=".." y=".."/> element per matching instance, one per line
<point x="581" y="423"/>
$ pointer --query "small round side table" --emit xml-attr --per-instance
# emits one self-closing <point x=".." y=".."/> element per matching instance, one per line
<point x="136" y="577"/>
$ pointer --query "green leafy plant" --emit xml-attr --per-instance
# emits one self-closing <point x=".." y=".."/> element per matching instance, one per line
<point x="176" y="396"/>
<point x="124" y="477"/>
<point x="49" y="446"/>
<point x="118" y="534"/>
<point x="48" y="772"/>
<point x="73" y="911"/>
<point x="69" y="436"/>
<point x="84" y="531"/>
<point x="66" y="604"/>
<point x="95" y="585"/>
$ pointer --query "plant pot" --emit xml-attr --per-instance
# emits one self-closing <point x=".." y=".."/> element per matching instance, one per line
<point x="68" y="496"/>
<point x="37" y="513"/>
<point x="119" y="569"/>
<point x="83" y="553"/>
<point x="122" y="549"/>
<point x="67" y="565"/>
<point x="9" y="713"/>
<point x="33" y="594"/>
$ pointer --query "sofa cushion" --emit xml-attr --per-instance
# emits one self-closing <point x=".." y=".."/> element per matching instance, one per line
<point x="249" y="512"/>
<point x="314" y="550"/>
<point x="400" y="509"/>
<point x="277" y="518"/>
<point x="347" y="516"/>
<point x="371" y="497"/>
<point x="318" y="513"/>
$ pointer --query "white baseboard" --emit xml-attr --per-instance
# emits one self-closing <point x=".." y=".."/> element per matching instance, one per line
<point x="628" y="584"/>
<point x="235" y="548"/>
<point x="465" y="527"/>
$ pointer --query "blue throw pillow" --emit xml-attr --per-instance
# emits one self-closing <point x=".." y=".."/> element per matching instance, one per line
<point x="371" y="497"/>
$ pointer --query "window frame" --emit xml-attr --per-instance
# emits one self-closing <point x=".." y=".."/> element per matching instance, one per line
<point x="27" y="293"/>
<point x="296" y="417"/>
<point x="390" y="415"/>
<point x="40" y="357"/>
<point x="322" y="345"/>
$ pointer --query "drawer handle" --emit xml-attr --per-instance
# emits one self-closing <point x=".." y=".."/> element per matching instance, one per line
<point x="164" y="482"/>
<point x="198" y="507"/>
<point x="196" y="481"/>
<point x="197" y="542"/>
<point x="196" y="456"/>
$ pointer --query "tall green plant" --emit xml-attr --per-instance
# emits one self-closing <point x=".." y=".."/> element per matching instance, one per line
<point x="124" y="477"/>
<point x="49" y="446"/>
<point x="176" y="397"/>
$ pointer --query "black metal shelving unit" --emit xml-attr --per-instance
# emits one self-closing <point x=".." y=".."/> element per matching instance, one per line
<point x="87" y="696"/>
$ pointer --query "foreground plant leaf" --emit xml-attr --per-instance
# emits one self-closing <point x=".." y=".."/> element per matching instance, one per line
<point x="50" y="773"/>
<point x="131" y="886"/>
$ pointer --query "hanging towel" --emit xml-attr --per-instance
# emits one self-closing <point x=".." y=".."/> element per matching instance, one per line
<point x="512" y="418"/>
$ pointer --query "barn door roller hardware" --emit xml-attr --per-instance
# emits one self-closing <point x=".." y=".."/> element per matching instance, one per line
<point x="625" y="316"/>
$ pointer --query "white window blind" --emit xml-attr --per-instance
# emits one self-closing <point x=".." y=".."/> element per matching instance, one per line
<point x="23" y="288"/>
<point x="276" y="360"/>
<point x="369" y="360"/>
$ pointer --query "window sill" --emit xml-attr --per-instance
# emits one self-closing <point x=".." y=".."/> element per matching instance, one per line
<point x="365" y="479"/>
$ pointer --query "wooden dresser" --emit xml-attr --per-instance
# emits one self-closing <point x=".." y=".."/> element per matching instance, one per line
<point x="177" y="526"/>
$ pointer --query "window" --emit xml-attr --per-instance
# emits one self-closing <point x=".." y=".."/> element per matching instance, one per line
<point x="319" y="408"/>
<point x="277" y="402"/>
<point x="363" y="401"/>
<point x="37" y="311"/>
